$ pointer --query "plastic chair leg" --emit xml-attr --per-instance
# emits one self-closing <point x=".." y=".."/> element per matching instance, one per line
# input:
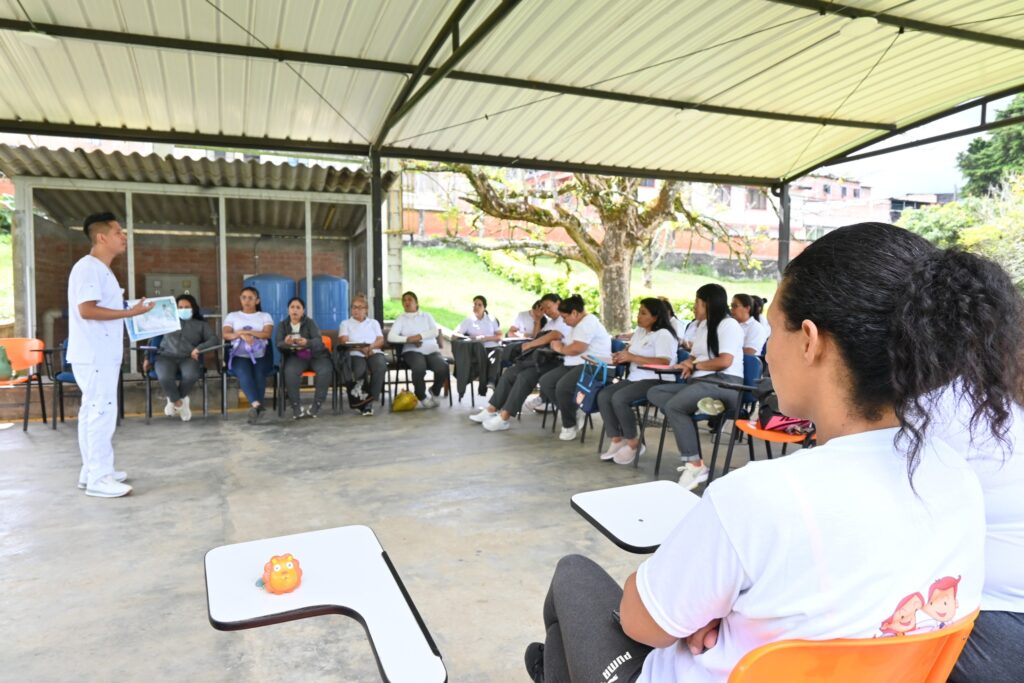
<point x="149" y="399"/>
<point x="206" y="397"/>
<point x="661" y="446"/>
<point x="54" y="404"/>
<point x="28" y="397"/>
<point x="42" y="397"/>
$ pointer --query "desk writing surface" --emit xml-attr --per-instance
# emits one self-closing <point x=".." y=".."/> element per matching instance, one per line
<point x="638" y="517"/>
<point x="344" y="568"/>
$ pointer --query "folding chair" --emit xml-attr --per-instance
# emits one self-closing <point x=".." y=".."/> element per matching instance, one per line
<point x="150" y="349"/>
<point x="26" y="355"/>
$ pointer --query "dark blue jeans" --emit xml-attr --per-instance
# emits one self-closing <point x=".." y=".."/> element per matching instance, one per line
<point x="252" y="377"/>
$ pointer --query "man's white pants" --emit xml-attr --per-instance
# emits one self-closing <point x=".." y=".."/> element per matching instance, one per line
<point x="97" y="418"/>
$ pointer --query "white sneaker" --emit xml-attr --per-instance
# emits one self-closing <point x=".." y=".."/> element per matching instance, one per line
<point x="482" y="416"/>
<point x="496" y="424"/>
<point x="534" y="403"/>
<point x="118" y="475"/>
<point x="108" y="487"/>
<point x="693" y="476"/>
<point x="170" y="409"/>
<point x="614" y="448"/>
<point x="184" y="411"/>
<point x="568" y="433"/>
<point x="430" y="401"/>
<point x="627" y="455"/>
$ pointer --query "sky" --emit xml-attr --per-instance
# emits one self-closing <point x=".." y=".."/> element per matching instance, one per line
<point x="928" y="169"/>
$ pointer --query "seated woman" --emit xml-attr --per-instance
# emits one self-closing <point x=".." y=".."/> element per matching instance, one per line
<point x="754" y="333"/>
<point x="179" y="354"/>
<point x="418" y="333"/>
<point x="587" y="336"/>
<point x="678" y="326"/>
<point x="518" y="381"/>
<point x="653" y="343"/>
<point x="250" y="358"/>
<point x="809" y="546"/>
<point x="302" y="349"/>
<point x="717" y="354"/>
<point x="368" y="358"/>
<point x="528" y="323"/>
<point x="481" y="327"/>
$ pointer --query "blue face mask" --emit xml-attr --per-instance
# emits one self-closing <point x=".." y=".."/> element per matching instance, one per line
<point x="185" y="313"/>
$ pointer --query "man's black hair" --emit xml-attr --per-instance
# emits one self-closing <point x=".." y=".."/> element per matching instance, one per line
<point x="104" y="217"/>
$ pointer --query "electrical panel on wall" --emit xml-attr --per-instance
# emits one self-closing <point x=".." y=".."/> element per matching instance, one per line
<point x="172" y="284"/>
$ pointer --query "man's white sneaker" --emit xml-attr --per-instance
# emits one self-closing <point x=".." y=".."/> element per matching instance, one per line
<point x="693" y="476"/>
<point x="170" y="409"/>
<point x="496" y="424"/>
<point x="430" y="401"/>
<point x="482" y="416"/>
<point x="185" y="411"/>
<point x="108" y="487"/>
<point x="614" y="448"/>
<point x="118" y="475"/>
<point x="568" y="433"/>
<point x="627" y="455"/>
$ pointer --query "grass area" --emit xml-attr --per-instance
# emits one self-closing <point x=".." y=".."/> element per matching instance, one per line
<point x="6" y="277"/>
<point x="446" y="281"/>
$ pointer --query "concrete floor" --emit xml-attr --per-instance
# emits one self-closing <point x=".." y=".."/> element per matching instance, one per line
<point x="103" y="590"/>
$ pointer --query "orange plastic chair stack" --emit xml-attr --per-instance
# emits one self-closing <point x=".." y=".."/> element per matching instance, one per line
<point x="925" y="658"/>
<point x="26" y="355"/>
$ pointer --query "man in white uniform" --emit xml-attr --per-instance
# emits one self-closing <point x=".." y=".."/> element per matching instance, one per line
<point x="95" y="344"/>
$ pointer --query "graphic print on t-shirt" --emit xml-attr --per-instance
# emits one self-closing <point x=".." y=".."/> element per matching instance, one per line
<point x="939" y="609"/>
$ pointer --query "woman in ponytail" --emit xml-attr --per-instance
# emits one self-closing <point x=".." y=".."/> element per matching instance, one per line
<point x="717" y="354"/>
<point x="872" y="325"/>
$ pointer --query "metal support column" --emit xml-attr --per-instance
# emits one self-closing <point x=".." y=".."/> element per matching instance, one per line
<point x="309" y="257"/>
<point x="375" y="239"/>
<point x="23" y="243"/>
<point x="784" y="227"/>
<point x="129" y="226"/>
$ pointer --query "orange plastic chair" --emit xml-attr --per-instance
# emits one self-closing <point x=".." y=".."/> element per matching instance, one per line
<point x="925" y="658"/>
<point x="25" y="355"/>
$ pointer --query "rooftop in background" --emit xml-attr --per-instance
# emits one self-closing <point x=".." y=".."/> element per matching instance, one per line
<point x="736" y="91"/>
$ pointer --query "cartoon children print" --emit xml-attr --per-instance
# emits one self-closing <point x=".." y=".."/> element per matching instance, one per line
<point x="939" y="609"/>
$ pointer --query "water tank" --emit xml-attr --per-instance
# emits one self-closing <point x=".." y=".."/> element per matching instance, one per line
<point x="329" y="300"/>
<point x="275" y="291"/>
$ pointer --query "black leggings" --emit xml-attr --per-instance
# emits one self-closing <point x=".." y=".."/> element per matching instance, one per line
<point x="584" y="640"/>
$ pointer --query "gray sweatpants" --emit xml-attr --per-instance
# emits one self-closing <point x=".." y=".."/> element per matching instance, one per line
<point x="377" y="366"/>
<point x="613" y="402"/>
<point x="584" y="641"/>
<point x="167" y="373"/>
<point x="679" y="403"/>
<point x="558" y="386"/>
<point x="994" y="651"/>
<point x="293" y="369"/>
<point x="513" y="387"/>
<point x="418" y="364"/>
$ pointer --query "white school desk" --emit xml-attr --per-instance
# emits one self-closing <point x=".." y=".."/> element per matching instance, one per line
<point x="344" y="571"/>
<point x="638" y="517"/>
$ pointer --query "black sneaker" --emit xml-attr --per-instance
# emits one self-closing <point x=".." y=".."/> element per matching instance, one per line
<point x="253" y="415"/>
<point x="366" y="410"/>
<point x="296" y="411"/>
<point x="535" y="662"/>
<point x="314" y="411"/>
<point x="259" y="413"/>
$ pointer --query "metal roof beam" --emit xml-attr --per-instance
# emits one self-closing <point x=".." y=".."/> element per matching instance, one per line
<point x="835" y="8"/>
<point x="135" y="39"/>
<point x="450" y="28"/>
<point x="485" y="27"/>
<point x="554" y="165"/>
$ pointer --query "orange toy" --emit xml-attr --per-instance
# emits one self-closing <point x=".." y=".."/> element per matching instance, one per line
<point x="282" y="574"/>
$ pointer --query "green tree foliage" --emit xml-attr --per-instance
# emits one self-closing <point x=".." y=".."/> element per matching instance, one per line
<point x="941" y="224"/>
<point x="1001" y="236"/>
<point x="6" y="212"/>
<point x="987" y="161"/>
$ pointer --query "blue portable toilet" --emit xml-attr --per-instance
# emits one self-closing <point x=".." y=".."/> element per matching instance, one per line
<point x="329" y="300"/>
<point x="275" y="291"/>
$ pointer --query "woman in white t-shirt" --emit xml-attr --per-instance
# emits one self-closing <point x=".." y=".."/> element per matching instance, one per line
<point x="830" y="542"/>
<point x="717" y="354"/>
<point x="528" y="323"/>
<point x="367" y="359"/>
<point x="653" y="343"/>
<point x="250" y="358"/>
<point x="754" y="333"/>
<point x="587" y="336"/>
<point x="418" y="334"/>
<point x="481" y="327"/>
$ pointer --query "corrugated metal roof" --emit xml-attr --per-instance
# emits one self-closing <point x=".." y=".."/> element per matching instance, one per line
<point x="192" y="213"/>
<point x="756" y="55"/>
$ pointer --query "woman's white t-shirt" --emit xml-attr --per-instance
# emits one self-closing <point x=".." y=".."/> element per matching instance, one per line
<point x="590" y="331"/>
<point x="689" y="331"/>
<point x="754" y="335"/>
<point x="730" y="340"/>
<point x="660" y="344"/>
<point x="680" y="327"/>
<point x="240" y="320"/>
<point x="480" y="327"/>
<point x="523" y="324"/>
<point x="829" y="542"/>
<point x="410" y="324"/>
<point x="363" y="331"/>
<point x="1002" y="483"/>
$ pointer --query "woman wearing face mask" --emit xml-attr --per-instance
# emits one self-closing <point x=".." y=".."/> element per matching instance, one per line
<point x="302" y="348"/>
<point x="179" y="353"/>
